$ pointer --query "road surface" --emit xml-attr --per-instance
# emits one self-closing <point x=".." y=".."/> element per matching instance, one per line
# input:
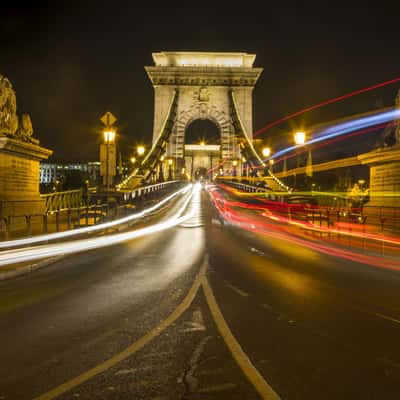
<point x="201" y="311"/>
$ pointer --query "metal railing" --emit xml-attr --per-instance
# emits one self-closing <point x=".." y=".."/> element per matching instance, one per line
<point x="67" y="210"/>
<point x="266" y="191"/>
<point x="62" y="200"/>
<point x="145" y="190"/>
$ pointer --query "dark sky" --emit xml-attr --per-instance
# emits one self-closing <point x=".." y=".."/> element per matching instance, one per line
<point x="71" y="61"/>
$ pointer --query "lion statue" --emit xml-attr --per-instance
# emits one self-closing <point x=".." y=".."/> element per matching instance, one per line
<point x="8" y="108"/>
<point x="25" y="129"/>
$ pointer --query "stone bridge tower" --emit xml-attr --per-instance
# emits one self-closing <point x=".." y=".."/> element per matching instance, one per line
<point x="204" y="85"/>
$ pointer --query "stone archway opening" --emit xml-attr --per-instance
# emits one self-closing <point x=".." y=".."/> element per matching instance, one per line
<point x="202" y="148"/>
<point x="203" y="131"/>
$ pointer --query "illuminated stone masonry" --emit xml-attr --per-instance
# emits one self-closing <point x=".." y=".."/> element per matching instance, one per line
<point x="20" y="155"/>
<point x="384" y="165"/>
<point x="204" y="81"/>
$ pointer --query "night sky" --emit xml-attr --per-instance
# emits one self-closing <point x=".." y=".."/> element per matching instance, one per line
<point x="69" y="62"/>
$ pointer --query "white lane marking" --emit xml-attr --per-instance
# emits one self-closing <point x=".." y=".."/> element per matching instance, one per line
<point x="388" y="318"/>
<point x="237" y="290"/>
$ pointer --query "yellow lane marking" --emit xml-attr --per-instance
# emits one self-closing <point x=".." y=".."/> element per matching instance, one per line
<point x="133" y="348"/>
<point x="251" y="372"/>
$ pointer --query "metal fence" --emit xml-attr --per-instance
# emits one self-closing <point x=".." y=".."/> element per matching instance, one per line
<point x="62" y="200"/>
<point x="69" y="209"/>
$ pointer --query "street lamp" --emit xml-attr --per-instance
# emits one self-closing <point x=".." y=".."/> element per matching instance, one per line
<point x="245" y="170"/>
<point x="271" y="163"/>
<point x="234" y="164"/>
<point x="266" y="151"/>
<point x="109" y="138"/>
<point x="300" y="138"/>
<point x="140" y="150"/>
<point x="133" y="160"/>
<point x="161" y="169"/>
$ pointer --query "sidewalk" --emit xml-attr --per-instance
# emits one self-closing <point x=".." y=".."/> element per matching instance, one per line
<point x="14" y="270"/>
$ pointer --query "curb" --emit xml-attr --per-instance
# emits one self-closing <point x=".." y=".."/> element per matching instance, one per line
<point x="28" y="268"/>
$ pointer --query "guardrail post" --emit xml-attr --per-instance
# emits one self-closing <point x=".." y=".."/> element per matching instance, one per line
<point x="87" y="215"/>
<point x="58" y="220"/>
<point x="45" y="226"/>
<point x="78" y="211"/>
<point x="69" y="212"/>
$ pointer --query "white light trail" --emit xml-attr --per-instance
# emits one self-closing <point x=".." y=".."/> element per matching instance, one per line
<point x="345" y="127"/>
<point x="89" y="229"/>
<point x="52" y="250"/>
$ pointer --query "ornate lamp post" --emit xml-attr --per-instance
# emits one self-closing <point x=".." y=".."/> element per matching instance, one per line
<point x="299" y="140"/>
<point x="271" y="163"/>
<point x="161" y="169"/>
<point x="266" y="152"/>
<point x="170" y="169"/>
<point x="109" y="139"/>
<point x="234" y="164"/>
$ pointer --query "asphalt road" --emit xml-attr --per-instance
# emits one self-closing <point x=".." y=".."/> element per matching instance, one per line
<point x="313" y="326"/>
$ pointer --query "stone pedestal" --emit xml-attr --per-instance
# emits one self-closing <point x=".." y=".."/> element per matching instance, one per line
<point x="384" y="204"/>
<point x="19" y="177"/>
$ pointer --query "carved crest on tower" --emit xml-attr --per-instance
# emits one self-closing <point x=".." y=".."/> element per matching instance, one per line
<point x="204" y="95"/>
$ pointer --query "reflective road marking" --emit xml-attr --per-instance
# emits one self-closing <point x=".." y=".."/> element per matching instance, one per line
<point x="133" y="348"/>
<point x="251" y="372"/>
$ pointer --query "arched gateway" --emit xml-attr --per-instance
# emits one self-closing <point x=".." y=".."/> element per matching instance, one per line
<point x="191" y="86"/>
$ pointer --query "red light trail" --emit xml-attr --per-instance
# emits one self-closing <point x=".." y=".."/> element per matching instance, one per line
<point x="282" y="231"/>
<point x="326" y="102"/>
